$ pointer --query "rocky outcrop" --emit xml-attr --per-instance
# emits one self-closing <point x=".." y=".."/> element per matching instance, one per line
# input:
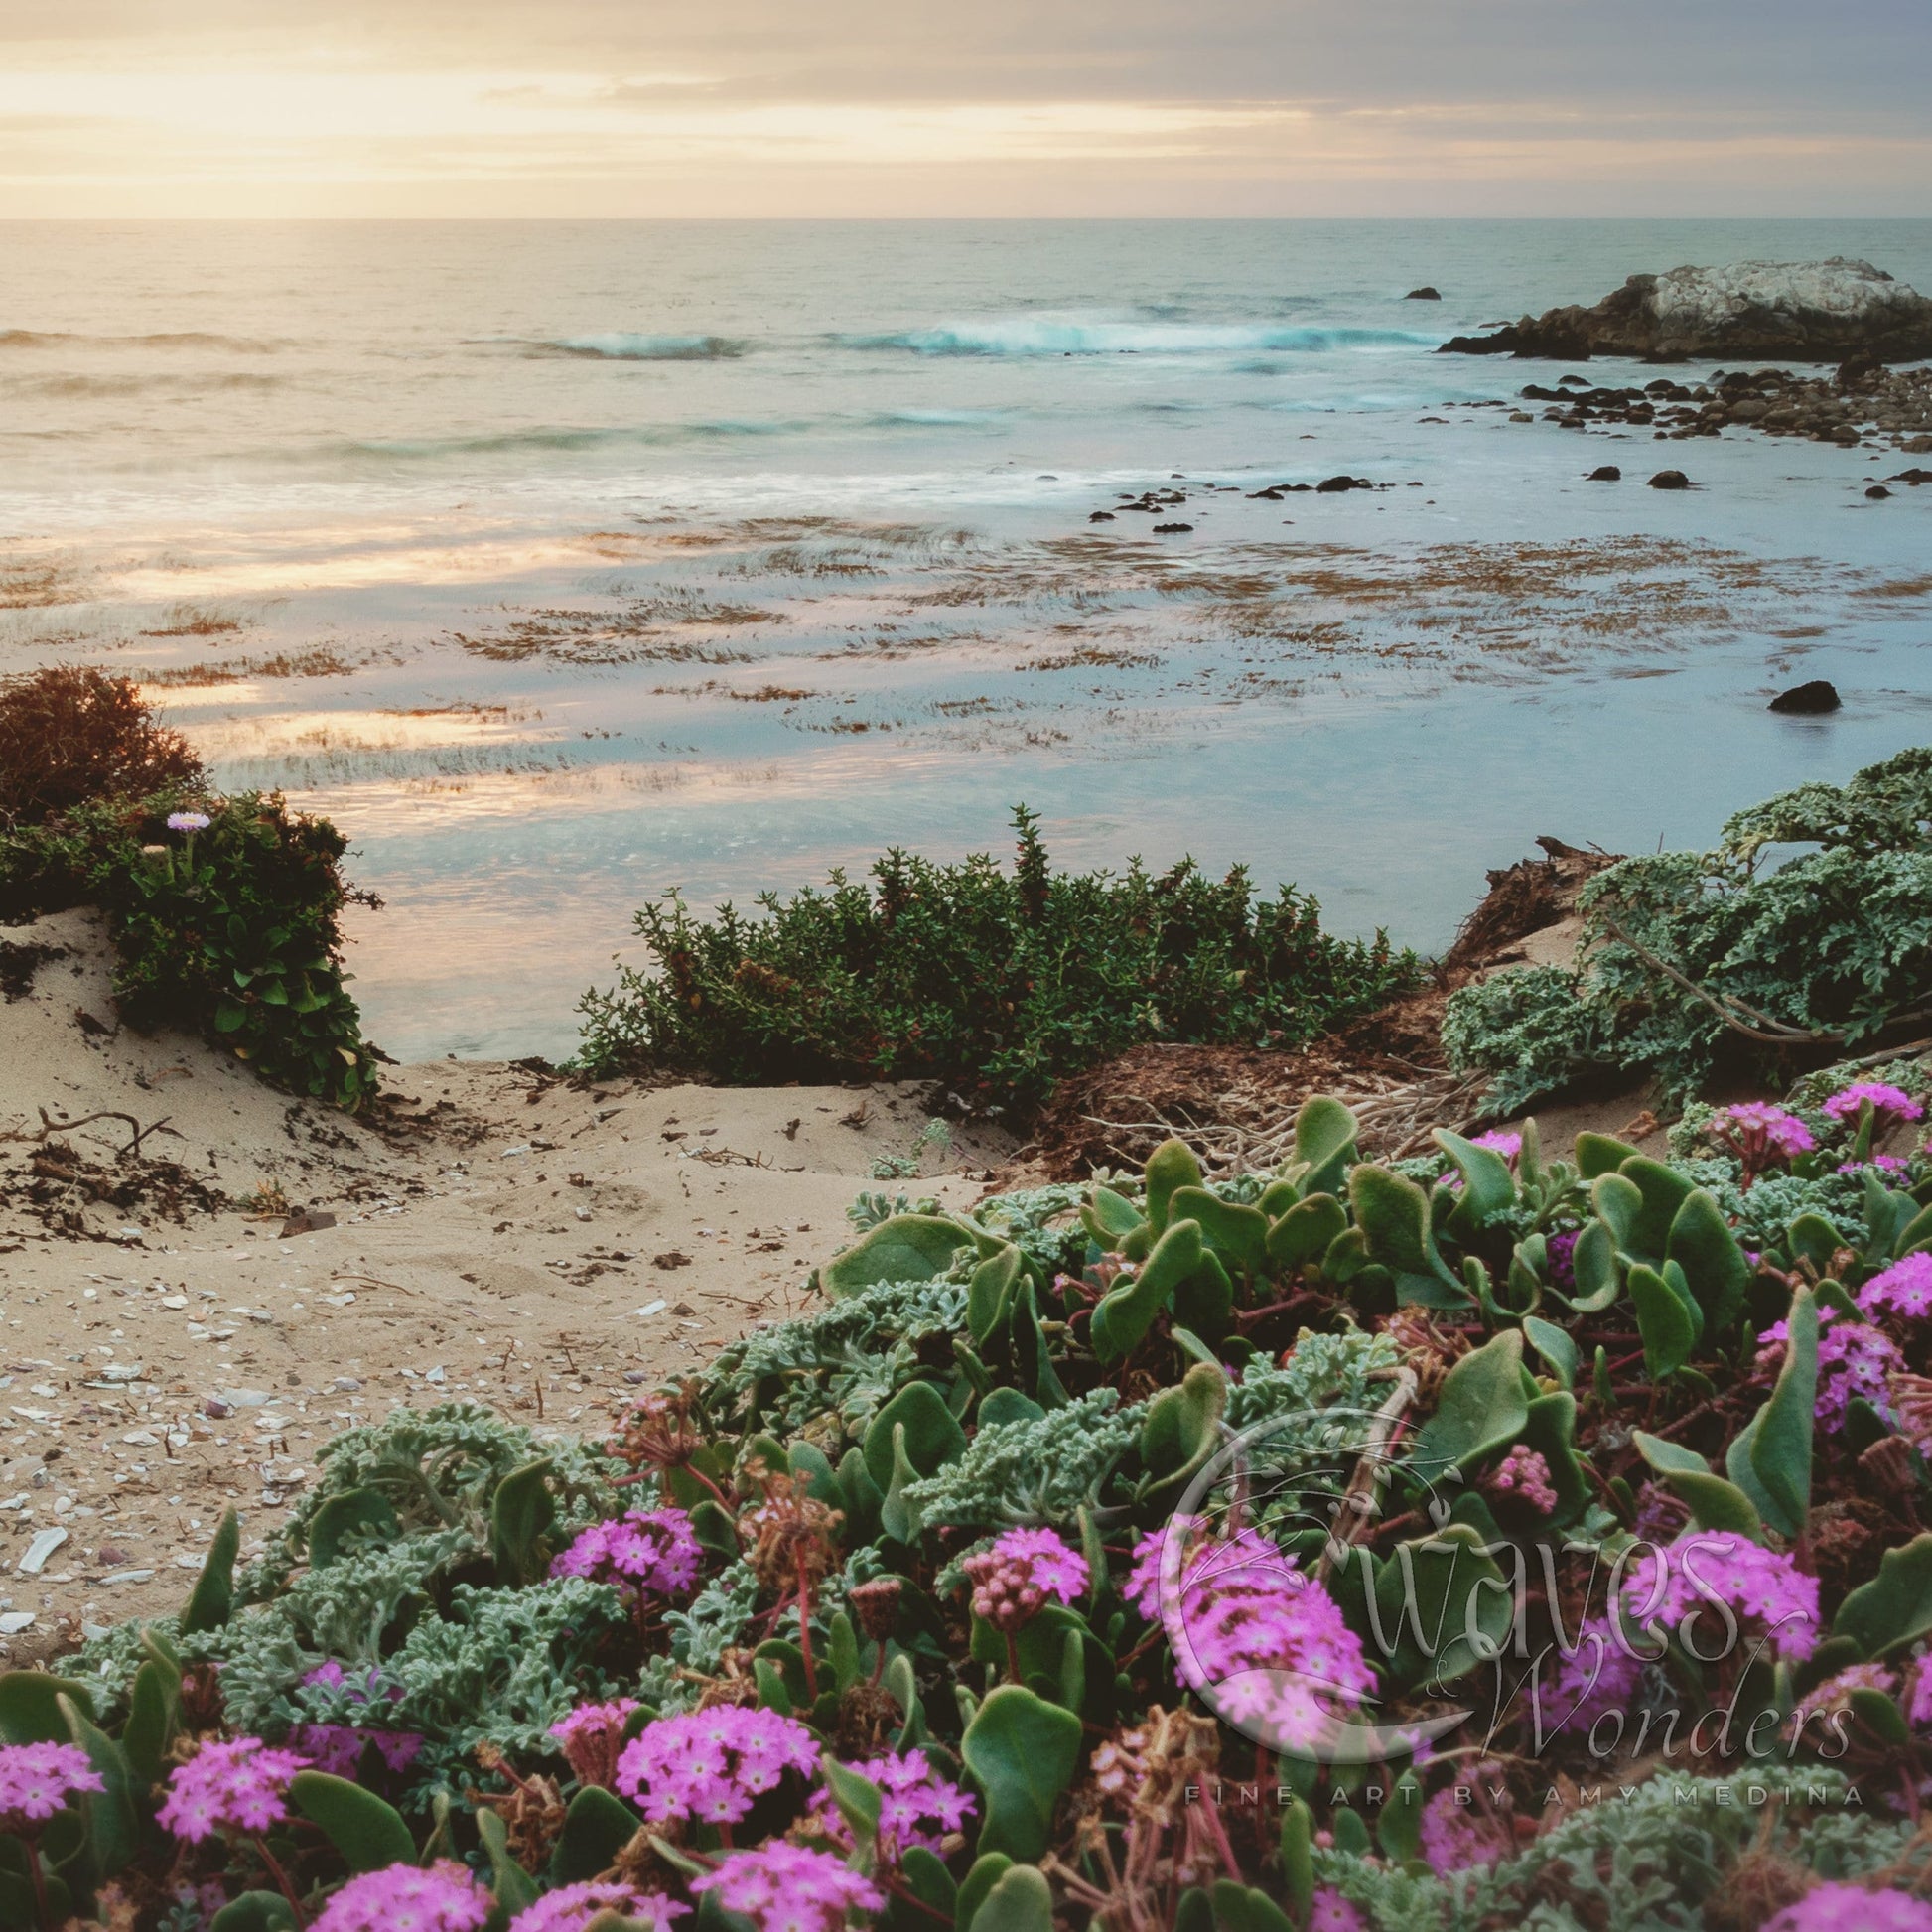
<point x="1798" y="312"/>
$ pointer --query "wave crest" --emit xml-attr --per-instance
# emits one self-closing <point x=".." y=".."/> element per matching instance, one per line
<point x="1026" y="335"/>
<point x="622" y="346"/>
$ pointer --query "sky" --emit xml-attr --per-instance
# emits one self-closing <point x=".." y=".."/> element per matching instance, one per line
<point x="964" y="107"/>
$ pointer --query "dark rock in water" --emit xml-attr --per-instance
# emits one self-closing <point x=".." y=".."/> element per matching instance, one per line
<point x="1836" y="310"/>
<point x="1670" y="479"/>
<point x="1101" y="517"/>
<point x="1607" y="472"/>
<point x="1915" y="476"/>
<point x="1877" y="493"/>
<point x="1808" y="700"/>
<point x="1171" y="529"/>
<point x="1424" y="294"/>
<point x="1334" y="486"/>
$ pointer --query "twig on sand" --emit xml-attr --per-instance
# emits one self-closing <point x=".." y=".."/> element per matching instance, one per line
<point x="50" y="1127"/>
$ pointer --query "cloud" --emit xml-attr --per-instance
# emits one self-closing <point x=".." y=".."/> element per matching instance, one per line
<point x="857" y="106"/>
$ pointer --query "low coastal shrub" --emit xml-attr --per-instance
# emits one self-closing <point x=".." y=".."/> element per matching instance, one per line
<point x="1701" y="964"/>
<point x="226" y="915"/>
<point x="71" y="734"/>
<point x="996" y="984"/>
<point x="1488" y="1537"/>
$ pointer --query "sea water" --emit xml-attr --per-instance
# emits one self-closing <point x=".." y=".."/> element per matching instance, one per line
<point x="562" y="564"/>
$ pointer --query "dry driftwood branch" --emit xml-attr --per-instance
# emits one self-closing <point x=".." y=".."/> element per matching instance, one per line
<point x="50" y="1127"/>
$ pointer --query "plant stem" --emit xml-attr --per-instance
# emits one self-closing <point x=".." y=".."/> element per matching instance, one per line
<point x="806" y="1628"/>
<point x="40" y="1913"/>
<point x="1013" y="1659"/>
<point x="281" y="1879"/>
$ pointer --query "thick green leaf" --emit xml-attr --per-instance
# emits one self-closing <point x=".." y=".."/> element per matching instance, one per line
<point x="928" y="1881"/>
<point x="113" y="1815"/>
<point x="903" y="1248"/>
<point x="1441" y="1607"/>
<point x="1592" y="1262"/>
<point x="1662" y="1192"/>
<point x="1239" y="1908"/>
<point x="354" y="1510"/>
<point x="30" y="1706"/>
<point x="1392" y="1214"/>
<point x="153" y="1711"/>
<point x="1555" y="1347"/>
<point x="1205" y="1302"/>
<point x="1481" y="1407"/>
<point x="932" y="1436"/>
<point x="1598" y="1153"/>
<point x="990" y="1293"/>
<point x="1305" y="1230"/>
<point x="1008" y="1405"/>
<point x="1489" y="1186"/>
<point x="1894" y="1607"/>
<point x="859" y="1800"/>
<point x="520" y="1513"/>
<point x="1182" y="1423"/>
<point x="516" y="1889"/>
<point x="1236" y="1232"/>
<point x="368" y="1833"/>
<point x="1170" y="1167"/>
<point x="1110" y="1219"/>
<point x="212" y="1600"/>
<point x="1702" y="1244"/>
<point x="1023" y="1751"/>
<point x="1297" y="1858"/>
<point x="1663" y="1320"/>
<point x="1325" y="1142"/>
<point x="987" y="1871"/>
<point x="1128" y="1312"/>
<point x="597" y="1826"/>
<point x="1018" y="1900"/>
<point x="253" y="1911"/>
<point x="1781" y="1444"/>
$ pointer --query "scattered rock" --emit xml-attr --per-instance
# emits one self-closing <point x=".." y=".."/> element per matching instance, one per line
<point x="671" y="1258"/>
<point x="1607" y="472"/>
<point x="1424" y="294"/>
<point x="1171" y="529"/>
<point x="1877" y="493"/>
<point x="1334" y="486"/>
<point x="306" y="1220"/>
<point x="1808" y="700"/>
<point x="43" y="1546"/>
<point x="1837" y="311"/>
<point x="1915" y="477"/>
<point x="1670" y="479"/>
<point x="1101" y="517"/>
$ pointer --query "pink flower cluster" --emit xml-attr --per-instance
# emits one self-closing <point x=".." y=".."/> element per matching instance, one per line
<point x="591" y="1737"/>
<point x="1854" y="1359"/>
<point x="1884" y="1162"/>
<point x="441" y="1897"/>
<point x="337" y="1748"/>
<point x="1682" y="1585"/>
<point x="572" y="1907"/>
<point x="1329" y="1911"/>
<point x="1524" y="1476"/>
<point x="233" y="1785"/>
<point x="1601" y="1674"/>
<point x="1884" y="1100"/>
<point x="784" y="1887"/>
<point x="916" y="1805"/>
<point x="1765" y="1129"/>
<point x="1242" y="1618"/>
<point x="1833" y="1695"/>
<point x="1851" y="1909"/>
<point x="655" y="1551"/>
<point x="1920" y="1703"/>
<point x="1456" y="1837"/>
<point x="710" y="1764"/>
<point x="1509" y="1145"/>
<point x="38" y="1780"/>
<point x="1013" y="1578"/>
<point x="1905" y="1288"/>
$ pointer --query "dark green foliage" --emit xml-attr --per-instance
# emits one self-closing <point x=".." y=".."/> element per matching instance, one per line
<point x="996" y="985"/>
<point x="1835" y="944"/>
<point x="234" y="932"/>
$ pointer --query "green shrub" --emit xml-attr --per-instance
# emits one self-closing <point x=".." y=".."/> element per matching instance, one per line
<point x="996" y="985"/>
<point x="1700" y="963"/>
<point x="233" y="930"/>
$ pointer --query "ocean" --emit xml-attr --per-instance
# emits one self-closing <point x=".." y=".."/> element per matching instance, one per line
<point x="563" y="563"/>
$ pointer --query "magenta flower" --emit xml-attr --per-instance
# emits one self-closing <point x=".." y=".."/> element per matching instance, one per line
<point x="591" y="1737"/>
<point x="654" y="1550"/>
<point x="1854" y="1359"/>
<point x="784" y="1887"/>
<point x="37" y="1782"/>
<point x="572" y="1907"/>
<point x="1560" y="1251"/>
<point x="1524" y="1476"/>
<point x="916" y="1806"/>
<point x="337" y="1748"/>
<point x="1013" y="1578"/>
<point x="1681" y="1585"/>
<point x="1884" y="1162"/>
<point x="1905" y="1288"/>
<point x="1851" y="1909"/>
<point x="1242" y="1618"/>
<point x="1509" y="1145"/>
<point x="1456" y="1837"/>
<point x="1884" y="1100"/>
<point x="236" y="1785"/>
<point x="1329" y="1911"/>
<point x="710" y="1764"/>
<point x="1919" y="1705"/>
<point x="441" y="1897"/>
<point x="1601" y="1674"/>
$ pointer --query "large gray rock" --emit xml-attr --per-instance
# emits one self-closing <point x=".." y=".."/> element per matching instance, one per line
<point x="1793" y="312"/>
